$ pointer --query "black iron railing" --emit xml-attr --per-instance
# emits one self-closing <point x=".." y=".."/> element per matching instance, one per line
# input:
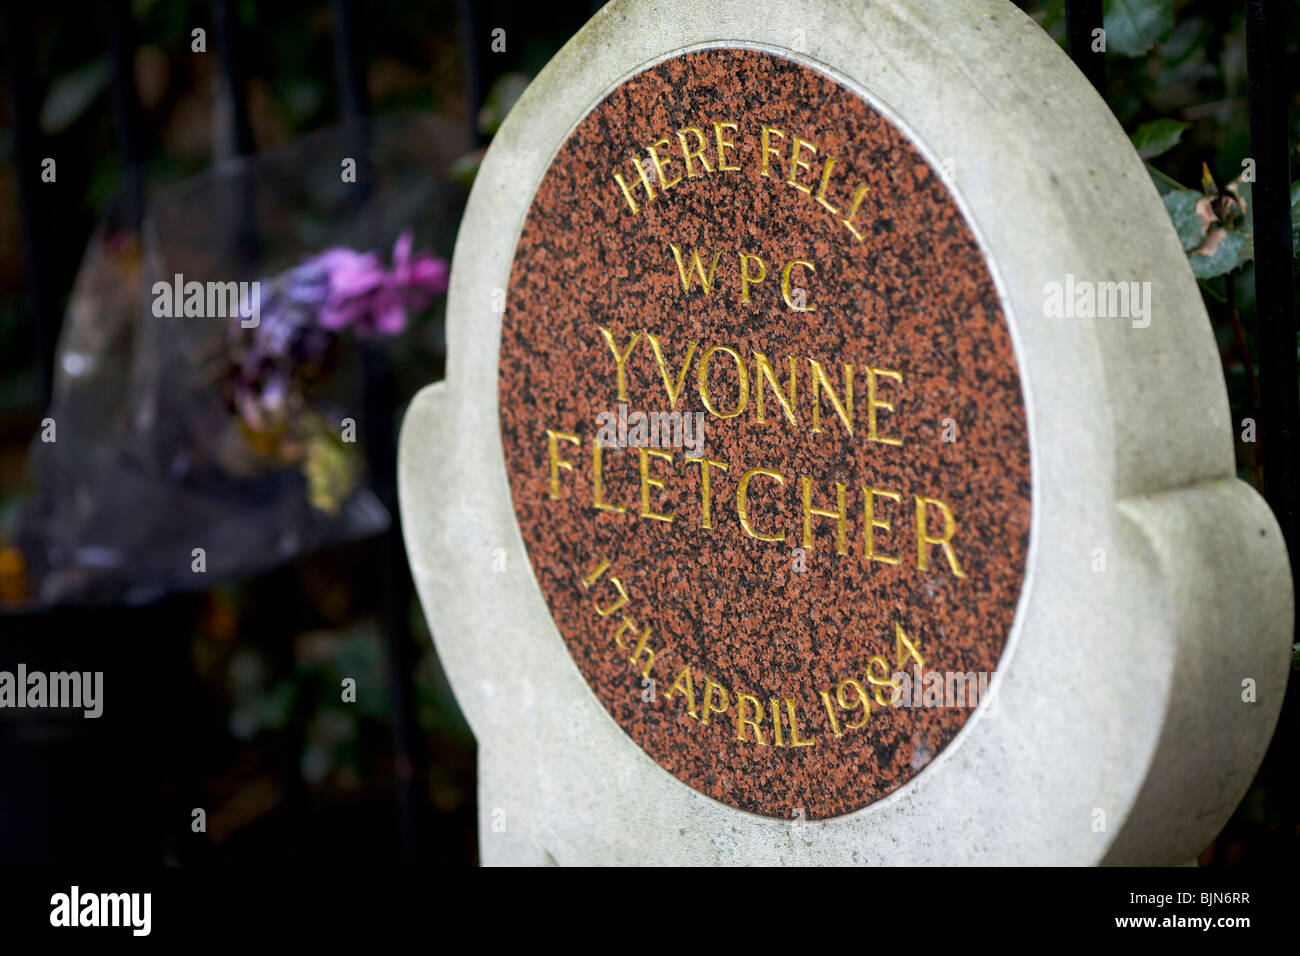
<point x="1274" y="297"/>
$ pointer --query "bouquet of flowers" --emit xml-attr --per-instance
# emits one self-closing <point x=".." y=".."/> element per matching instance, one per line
<point x="269" y="367"/>
<point x="202" y="434"/>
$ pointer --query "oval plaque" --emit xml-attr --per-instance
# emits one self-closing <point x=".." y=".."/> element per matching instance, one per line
<point x="764" y="430"/>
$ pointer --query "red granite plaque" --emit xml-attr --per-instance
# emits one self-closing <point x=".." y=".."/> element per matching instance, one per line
<point x="765" y="435"/>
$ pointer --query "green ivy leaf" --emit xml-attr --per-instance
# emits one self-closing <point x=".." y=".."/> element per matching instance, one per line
<point x="1241" y="214"/>
<point x="500" y="99"/>
<point x="1231" y="251"/>
<point x="1158" y="136"/>
<point x="1164" y="183"/>
<point x="1229" y="244"/>
<point x="1134" y="26"/>
<point x="1190" y="225"/>
<point x="1053" y="13"/>
<point x="71" y="95"/>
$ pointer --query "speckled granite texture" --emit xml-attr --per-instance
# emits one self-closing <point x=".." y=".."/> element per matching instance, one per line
<point x="914" y="296"/>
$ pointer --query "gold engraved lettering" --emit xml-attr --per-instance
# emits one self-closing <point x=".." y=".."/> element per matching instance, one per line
<point x="794" y="727"/>
<point x="776" y="723"/>
<point x="696" y="267"/>
<point x="622" y="599"/>
<point x="830" y="712"/>
<point x="873" y="403"/>
<point x="746" y="277"/>
<point x="642" y="649"/>
<point x="707" y="708"/>
<point x="742" y="502"/>
<point x="878" y="684"/>
<point x="684" y="684"/>
<point x="706" y="503"/>
<point x="647" y="482"/>
<point x="863" y="701"/>
<point x="858" y="196"/>
<point x="840" y="515"/>
<point x="553" y="439"/>
<point x="688" y="155"/>
<point x="905" y="647"/>
<point x="643" y="181"/>
<point x="796" y="163"/>
<point x="594" y="574"/>
<point x="598" y="481"/>
<point x="674" y="391"/>
<point x="763" y="370"/>
<point x="785" y="285"/>
<point x="742" y="700"/>
<point x="768" y="149"/>
<point x="724" y="145"/>
<point x="872" y="523"/>
<point x="924" y="541"/>
<point x="742" y="399"/>
<point x="660" y="162"/>
<point x="826" y="181"/>
<point x="620" y="359"/>
<point x="821" y="383"/>
<point x="628" y="625"/>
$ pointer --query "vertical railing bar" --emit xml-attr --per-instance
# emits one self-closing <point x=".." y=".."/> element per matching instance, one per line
<point x="472" y="67"/>
<point x="126" y="110"/>
<point x="354" y="100"/>
<point x="19" y="37"/>
<point x="232" y="75"/>
<point x="1082" y="17"/>
<point x="1279" y="429"/>
<point x="246" y="239"/>
<point x="380" y="398"/>
<point x="348" y="64"/>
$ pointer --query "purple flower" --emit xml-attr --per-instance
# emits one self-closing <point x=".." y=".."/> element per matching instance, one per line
<point x="354" y="278"/>
<point x="422" y="275"/>
<point x="309" y="284"/>
<point x="411" y="285"/>
<point x="310" y="304"/>
<point x="278" y="331"/>
<point x="366" y="297"/>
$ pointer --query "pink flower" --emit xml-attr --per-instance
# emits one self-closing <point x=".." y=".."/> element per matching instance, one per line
<point x="414" y="281"/>
<point x="372" y="300"/>
<point x="310" y="304"/>
<point x="354" y="278"/>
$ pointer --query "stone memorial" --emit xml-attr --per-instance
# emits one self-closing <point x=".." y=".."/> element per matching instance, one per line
<point x="834" y="462"/>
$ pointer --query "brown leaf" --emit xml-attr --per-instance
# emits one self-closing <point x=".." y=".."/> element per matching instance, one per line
<point x="1212" y="238"/>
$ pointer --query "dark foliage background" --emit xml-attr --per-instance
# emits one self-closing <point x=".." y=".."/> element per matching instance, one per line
<point x="229" y="699"/>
